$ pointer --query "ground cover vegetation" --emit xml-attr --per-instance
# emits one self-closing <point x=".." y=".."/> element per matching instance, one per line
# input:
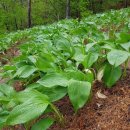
<point x="58" y="60"/>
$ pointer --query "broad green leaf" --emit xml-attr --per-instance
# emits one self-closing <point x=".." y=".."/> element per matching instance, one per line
<point x="63" y="44"/>
<point x="75" y="74"/>
<point x="126" y="46"/>
<point x="27" y="94"/>
<point x="9" y="67"/>
<point x="53" y="79"/>
<point x="89" y="75"/>
<point x="25" y="71"/>
<point x="28" y="71"/>
<point x="4" y="100"/>
<point x="108" y="46"/>
<point x="6" y="89"/>
<point x="43" y="64"/>
<point x="90" y="59"/>
<point x="125" y="37"/>
<point x="21" y="63"/>
<point x="111" y="75"/>
<point x="89" y="46"/>
<point x="54" y="93"/>
<point x="32" y="59"/>
<point x="2" y="121"/>
<point x="79" y="92"/>
<point x="78" y="55"/>
<point x="117" y="57"/>
<point x="28" y="110"/>
<point x="80" y="76"/>
<point x="34" y="86"/>
<point x="43" y="124"/>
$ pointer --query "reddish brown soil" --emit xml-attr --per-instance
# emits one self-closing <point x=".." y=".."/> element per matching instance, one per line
<point x="13" y="51"/>
<point x="8" y="55"/>
<point x="112" y="113"/>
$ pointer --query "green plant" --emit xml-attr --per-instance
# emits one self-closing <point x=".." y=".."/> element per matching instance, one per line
<point x="63" y="59"/>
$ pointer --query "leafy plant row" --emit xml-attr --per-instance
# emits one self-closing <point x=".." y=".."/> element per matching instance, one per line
<point x="115" y="20"/>
<point x="65" y="58"/>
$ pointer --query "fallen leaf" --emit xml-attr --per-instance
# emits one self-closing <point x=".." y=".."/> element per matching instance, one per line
<point x="100" y="95"/>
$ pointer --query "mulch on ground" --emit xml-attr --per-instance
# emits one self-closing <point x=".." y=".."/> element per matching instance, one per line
<point x="112" y="113"/>
<point x="11" y="52"/>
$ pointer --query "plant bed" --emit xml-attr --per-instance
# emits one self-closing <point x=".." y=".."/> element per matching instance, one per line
<point x="112" y="112"/>
<point x="59" y="68"/>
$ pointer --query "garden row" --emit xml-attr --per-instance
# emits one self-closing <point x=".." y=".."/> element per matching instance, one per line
<point x="64" y="58"/>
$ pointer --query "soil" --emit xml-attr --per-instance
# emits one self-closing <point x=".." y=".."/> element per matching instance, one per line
<point x="9" y="54"/>
<point x="111" y="113"/>
<point x="13" y="51"/>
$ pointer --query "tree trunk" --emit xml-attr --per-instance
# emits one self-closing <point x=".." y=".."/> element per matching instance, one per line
<point x="126" y="3"/>
<point x="21" y="24"/>
<point x="78" y="11"/>
<point x="21" y="2"/>
<point x="101" y="3"/>
<point x="92" y="5"/>
<point x="15" y="21"/>
<point x="68" y="9"/>
<point x="29" y="14"/>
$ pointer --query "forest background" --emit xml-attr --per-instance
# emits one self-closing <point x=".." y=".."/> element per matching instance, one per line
<point x="20" y="14"/>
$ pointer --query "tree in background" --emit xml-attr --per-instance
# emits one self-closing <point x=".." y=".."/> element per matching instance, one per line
<point x="13" y="15"/>
<point x="20" y="14"/>
<point x="126" y="3"/>
<point x="29" y="14"/>
<point x="68" y="9"/>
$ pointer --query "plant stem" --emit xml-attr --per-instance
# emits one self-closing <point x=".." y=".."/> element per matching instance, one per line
<point x="95" y="75"/>
<point x="125" y="69"/>
<point x="26" y="127"/>
<point x="58" y="114"/>
<point x="31" y="79"/>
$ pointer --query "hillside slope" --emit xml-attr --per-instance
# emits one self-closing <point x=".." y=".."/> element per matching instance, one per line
<point x="70" y="74"/>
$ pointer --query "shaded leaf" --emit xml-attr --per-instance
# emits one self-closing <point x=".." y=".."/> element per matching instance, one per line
<point x="90" y="59"/>
<point x="111" y="75"/>
<point x="79" y="92"/>
<point x="43" y="124"/>
<point x="117" y="57"/>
